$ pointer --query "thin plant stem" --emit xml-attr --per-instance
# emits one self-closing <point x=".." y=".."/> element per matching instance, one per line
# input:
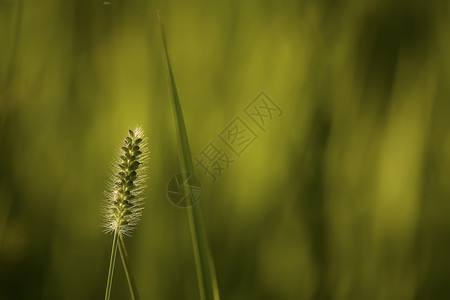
<point x="126" y="266"/>
<point x="15" y="43"/>
<point x="206" y="274"/>
<point x="111" y="266"/>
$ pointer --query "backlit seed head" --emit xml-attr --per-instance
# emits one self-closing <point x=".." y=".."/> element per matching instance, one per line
<point x="124" y="199"/>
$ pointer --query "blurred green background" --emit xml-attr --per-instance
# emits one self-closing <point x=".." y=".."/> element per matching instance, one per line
<point x="345" y="196"/>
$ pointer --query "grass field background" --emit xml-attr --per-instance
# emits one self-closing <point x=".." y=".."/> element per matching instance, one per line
<point x="346" y="195"/>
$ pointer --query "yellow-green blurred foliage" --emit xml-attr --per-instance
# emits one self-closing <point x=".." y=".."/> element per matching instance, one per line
<point x="345" y="196"/>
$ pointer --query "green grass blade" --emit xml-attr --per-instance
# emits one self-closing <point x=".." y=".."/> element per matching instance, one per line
<point x="127" y="268"/>
<point x="111" y="267"/>
<point x="206" y="275"/>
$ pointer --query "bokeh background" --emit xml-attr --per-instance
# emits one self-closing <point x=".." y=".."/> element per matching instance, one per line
<point x="345" y="196"/>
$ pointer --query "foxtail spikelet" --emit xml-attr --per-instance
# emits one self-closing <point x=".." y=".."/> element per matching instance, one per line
<point x="124" y="199"/>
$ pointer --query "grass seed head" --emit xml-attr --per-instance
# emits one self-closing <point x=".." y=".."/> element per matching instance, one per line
<point x="124" y="194"/>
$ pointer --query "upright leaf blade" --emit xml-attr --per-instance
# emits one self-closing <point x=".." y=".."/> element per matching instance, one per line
<point x="204" y="264"/>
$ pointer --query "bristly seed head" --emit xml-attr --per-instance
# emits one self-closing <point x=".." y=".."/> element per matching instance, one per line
<point x="124" y="190"/>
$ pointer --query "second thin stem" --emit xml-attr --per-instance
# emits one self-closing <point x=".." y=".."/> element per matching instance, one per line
<point x="127" y="269"/>
<point x="111" y="267"/>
